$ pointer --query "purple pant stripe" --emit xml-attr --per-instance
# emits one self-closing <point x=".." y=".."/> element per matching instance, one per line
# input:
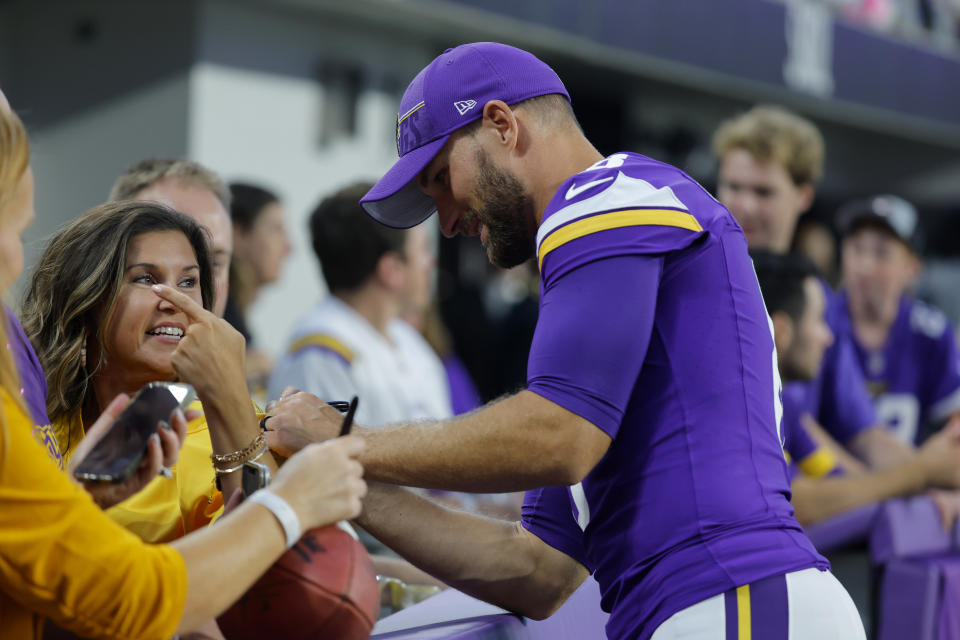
<point x="768" y="609"/>
<point x="730" y="608"/>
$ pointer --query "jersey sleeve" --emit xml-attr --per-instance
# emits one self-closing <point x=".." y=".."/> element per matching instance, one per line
<point x="845" y="408"/>
<point x="324" y="372"/>
<point x="802" y="451"/>
<point x="610" y="210"/>
<point x="592" y="335"/>
<point x="945" y="377"/>
<point x="547" y="514"/>
<point x="62" y="558"/>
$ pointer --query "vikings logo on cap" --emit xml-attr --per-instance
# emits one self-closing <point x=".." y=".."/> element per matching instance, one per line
<point x="408" y="133"/>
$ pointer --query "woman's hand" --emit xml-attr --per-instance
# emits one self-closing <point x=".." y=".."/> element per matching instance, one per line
<point x="163" y="447"/>
<point x="323" y="482"/>
<point x="210" y="355"/>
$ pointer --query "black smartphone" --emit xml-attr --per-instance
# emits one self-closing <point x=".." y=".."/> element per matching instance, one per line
<point x="255" y="476"/>
<point x="119" y="452"/>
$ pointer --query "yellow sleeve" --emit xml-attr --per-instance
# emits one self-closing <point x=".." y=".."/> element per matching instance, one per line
<point x="169" y="508"/>
<point x="61" y="558"/>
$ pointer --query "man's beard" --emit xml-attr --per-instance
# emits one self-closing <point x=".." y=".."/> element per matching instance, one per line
<point x="507" y="213"/>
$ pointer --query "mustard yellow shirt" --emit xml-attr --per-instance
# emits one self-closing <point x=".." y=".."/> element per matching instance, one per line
<point x="167" y="508"/>
<point x="61" y="558"/>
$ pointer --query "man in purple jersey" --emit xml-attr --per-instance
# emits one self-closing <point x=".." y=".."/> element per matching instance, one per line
<point x="648" y="434"/>
<point x="906" y="348"/>
<point x="820" y="488"/>
<point x="770" y="162"/>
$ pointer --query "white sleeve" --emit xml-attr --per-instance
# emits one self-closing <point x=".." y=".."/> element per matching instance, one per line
<point x="317" y="371"/>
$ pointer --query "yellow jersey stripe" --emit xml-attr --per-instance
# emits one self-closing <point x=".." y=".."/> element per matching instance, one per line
<point x="743" y="612"/>
<point x="615" y="220"/>
<point x="325" y="341"/>
<point x="819" y="463"/>
<point x="407" y="115"/>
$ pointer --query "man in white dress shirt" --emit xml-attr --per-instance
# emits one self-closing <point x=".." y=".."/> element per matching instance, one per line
<point x="354" y="342"/>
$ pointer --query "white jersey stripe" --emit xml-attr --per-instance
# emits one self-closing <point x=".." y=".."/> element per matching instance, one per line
<point x="625" y="192"/>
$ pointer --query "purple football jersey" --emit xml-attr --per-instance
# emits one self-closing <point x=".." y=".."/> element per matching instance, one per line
<point x="652" y="327"/>
<point x="915" y="377"/>
<point x="837" y="397"/>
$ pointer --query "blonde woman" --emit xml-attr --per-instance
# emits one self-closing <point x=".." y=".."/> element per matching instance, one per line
<point x="61" y="558"/>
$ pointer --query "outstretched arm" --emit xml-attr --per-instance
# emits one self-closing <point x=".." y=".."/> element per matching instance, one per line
<point x="879" y="448"/>
<point x="516" y="443"/>
<point x="935" y="465"/>
<point x="493" y="560"/>
<point x="586" y="354"/>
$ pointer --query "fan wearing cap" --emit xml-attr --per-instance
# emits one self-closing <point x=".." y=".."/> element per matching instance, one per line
<point x="769" y="163"/>
<point x="648" y="435"/>
<point x="906" y="348"/>
<point x="820" y="486"/>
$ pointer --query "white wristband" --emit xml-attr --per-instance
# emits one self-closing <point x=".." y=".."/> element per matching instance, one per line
<point x="283" y="511"/>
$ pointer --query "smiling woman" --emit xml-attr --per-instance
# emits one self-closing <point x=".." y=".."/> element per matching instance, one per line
<point x="100" y="329"/>
<point x="60" y="557"/>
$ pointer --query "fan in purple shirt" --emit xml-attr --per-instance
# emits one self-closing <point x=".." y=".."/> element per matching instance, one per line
<point x="906" y="349"/>
<point x="770" y="161"/>
<point x="794" y="297"/>
<point x="649" y="430"/>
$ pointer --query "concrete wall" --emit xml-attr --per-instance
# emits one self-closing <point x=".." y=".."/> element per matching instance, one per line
<point x="256" y="110"/>
<point x="99" y="84"/>
<point x="77" y="159"/>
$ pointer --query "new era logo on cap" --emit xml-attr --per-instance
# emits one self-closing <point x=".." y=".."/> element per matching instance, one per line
<point x="464" y="105"/>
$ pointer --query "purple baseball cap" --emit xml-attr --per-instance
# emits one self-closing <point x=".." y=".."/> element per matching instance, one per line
<point x="447" y="94"/>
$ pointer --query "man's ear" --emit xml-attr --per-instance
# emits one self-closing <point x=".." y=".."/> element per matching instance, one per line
<point x="805" y="195"/>
<point x="499" y="118"/>
<point x="782" y="332"/>
<point x="390" y="272"/>
<point x="241" y="239"/>
<point x="914" y="269"/>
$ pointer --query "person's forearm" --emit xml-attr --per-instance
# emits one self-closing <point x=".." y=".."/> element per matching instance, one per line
<point x="518" y="443"/>
<point x="232" y="425"/>
<point x="850" y="464"/>
<point x="225" y="559"/>
<point x="404" y="571"/>
<point x="493" y="560"/>
<point x="816" y="499"/>
<point x="880" y="449"/>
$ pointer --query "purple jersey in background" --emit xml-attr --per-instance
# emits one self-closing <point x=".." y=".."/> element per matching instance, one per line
<point x="837" y="398"/>
<point x="652" y="327"/>
<point x="915" y="377"/>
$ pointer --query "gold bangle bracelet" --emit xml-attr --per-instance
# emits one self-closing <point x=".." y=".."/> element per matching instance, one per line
<point x="223" y="472"/>
<point x="254" y="448"/>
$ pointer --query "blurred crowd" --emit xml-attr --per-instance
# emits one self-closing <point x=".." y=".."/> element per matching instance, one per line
<point x="936" y="22"/>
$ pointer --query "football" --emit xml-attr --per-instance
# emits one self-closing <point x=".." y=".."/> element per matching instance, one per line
<point x="324" y="587"/>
